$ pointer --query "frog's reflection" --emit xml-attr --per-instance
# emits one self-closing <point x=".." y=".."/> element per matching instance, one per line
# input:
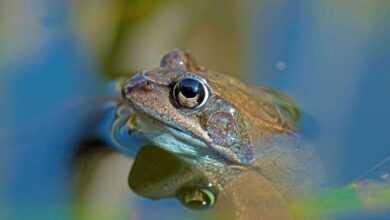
<point x="158" y="174"/>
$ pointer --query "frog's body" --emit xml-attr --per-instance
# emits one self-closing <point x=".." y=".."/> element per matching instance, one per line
<point x="224" y="128"/>
<point x="205" y="116"/>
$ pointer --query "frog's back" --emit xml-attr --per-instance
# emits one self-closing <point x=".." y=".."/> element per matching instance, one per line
<point x="266" y="110"/>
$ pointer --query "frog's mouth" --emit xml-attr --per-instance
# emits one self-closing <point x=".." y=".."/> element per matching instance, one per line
<point x="172" y="138"/>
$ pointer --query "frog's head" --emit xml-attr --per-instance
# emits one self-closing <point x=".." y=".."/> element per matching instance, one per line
<point x="177" y="109"/>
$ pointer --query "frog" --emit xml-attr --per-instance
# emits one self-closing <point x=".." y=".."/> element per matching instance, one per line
<point x="203" y="116"/>
<point x="230" y="132"/>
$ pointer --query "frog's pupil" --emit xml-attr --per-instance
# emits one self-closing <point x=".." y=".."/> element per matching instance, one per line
<point x="189" y="93"/>
<point x="190" y="88"/>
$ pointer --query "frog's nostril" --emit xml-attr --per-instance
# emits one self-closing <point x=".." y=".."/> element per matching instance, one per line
<point x="136" y="81"/>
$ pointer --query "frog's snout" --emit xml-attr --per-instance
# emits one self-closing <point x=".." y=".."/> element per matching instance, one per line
<point x="138" y="81"/>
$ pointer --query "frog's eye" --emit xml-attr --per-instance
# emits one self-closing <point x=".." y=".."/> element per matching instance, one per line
<point x="190" y="93"/>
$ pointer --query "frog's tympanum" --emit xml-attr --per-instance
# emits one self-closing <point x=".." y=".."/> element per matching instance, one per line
<point x="215" y="122"/>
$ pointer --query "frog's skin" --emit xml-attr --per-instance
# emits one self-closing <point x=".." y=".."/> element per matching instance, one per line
<point x="223" y="130"/>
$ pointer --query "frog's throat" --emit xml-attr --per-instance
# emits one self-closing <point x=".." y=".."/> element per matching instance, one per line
<point x="178" y="141"/>
<point x="174" y="139"/>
